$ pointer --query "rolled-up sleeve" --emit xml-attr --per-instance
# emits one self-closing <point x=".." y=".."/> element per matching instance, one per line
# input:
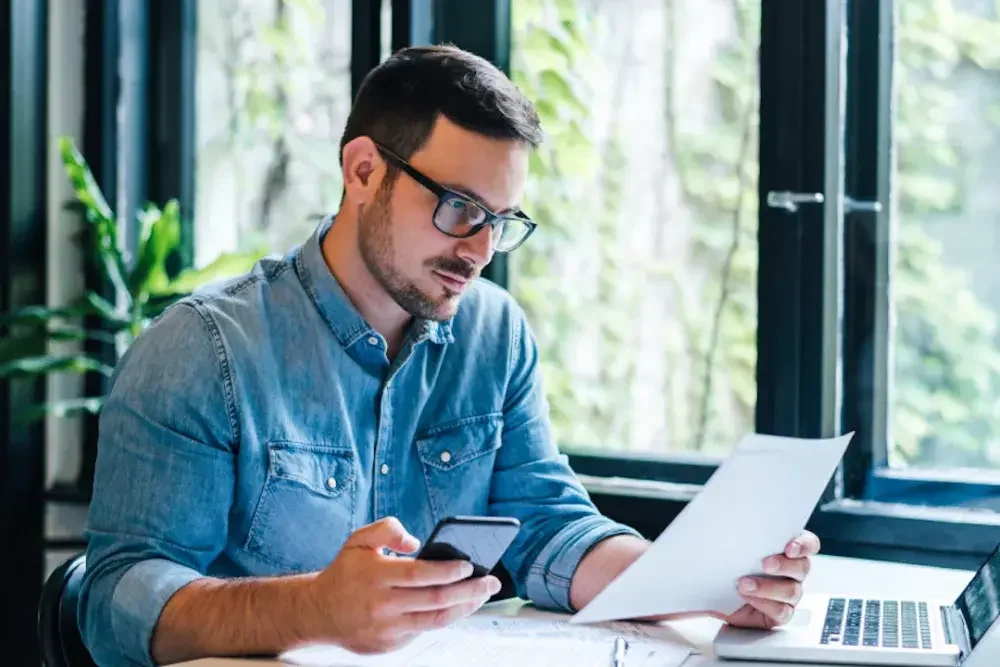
<point x="163" y="484"/>
<point x="533" y="482"/>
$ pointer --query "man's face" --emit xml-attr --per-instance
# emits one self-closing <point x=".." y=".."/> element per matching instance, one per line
<point x="424" y="270"/>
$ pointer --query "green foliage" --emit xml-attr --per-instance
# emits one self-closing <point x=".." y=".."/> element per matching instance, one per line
<point x="548" y="62"/>
<point x="140" y="292"/>
<point x="946" y="401"/>
<point x="945" y="366"/>
<point x="718" y="173"/>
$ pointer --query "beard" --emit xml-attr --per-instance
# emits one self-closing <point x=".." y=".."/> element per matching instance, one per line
<point x="377" y="251"/>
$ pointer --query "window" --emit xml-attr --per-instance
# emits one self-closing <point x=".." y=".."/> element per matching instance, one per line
<point x="923" y="373"/>
<point x="945" y="389"/>
<point x="273" y="94"/>
<point x="871" y="309"/>
<point x="641" y="285"/>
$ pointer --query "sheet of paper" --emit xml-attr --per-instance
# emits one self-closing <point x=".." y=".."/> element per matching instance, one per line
<point x="759" y="499"/>
<point x="505" y="641"/>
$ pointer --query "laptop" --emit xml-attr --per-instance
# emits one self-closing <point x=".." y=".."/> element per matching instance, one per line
<point x="855" y="630"/>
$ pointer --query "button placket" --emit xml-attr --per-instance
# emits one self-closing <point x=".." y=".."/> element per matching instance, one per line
<point x="382" y="503"/>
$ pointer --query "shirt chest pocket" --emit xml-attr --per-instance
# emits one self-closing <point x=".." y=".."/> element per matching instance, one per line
<point x="306" y="508"/>
<point x="457" y="461"/>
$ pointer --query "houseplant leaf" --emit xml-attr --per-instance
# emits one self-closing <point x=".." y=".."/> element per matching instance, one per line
<point x="107" y="311"/>
<point x="31" y="343"/>
<point x="99" y="215"/>
<point x="42" y="364"/>
<point x="64" y="408"/>
<point x="87" y="190"/>
<point x="35" y="315"/>
<point x="158" y="303"/>
<point x="226" y="265"/>
<point x="160" y="235"/>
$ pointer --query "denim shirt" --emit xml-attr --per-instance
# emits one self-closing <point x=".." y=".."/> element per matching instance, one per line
<point x="253" y="426"/>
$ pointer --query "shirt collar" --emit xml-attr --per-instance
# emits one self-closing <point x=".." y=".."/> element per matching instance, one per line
<point x="333" y="303"/>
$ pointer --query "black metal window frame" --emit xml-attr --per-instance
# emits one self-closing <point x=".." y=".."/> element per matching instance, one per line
<point x="802" y="333"/>
<point x="24" y="149"/>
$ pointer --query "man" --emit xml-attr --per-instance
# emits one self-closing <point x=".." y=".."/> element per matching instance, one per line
<point x="273" y="449"/>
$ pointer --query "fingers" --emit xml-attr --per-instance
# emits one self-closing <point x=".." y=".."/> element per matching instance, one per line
<point x="472" y="591"/>
<point x="680" y="616"/>
<point x="429" y="620"/>
<point x="749" y="616"/>
<point x="805" y="545"/>
<point x="775" y="612"/>
<point x="411" y="573"/>
<point x="388" y="533"/>
<point x="788" y="591"/>
<point x="783" y="566"/>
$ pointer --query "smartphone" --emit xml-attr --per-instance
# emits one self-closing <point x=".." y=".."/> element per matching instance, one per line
<point x="481" y="540"/>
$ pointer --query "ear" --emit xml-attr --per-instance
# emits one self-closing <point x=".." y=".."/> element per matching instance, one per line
<point x="363" y="169"/>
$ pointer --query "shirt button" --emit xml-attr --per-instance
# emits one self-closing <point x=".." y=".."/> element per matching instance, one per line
<point x="372" y="340"/>
<point x="445" y="457"/>
<point x="385" y="469"/>
<point x="331" y="483"/>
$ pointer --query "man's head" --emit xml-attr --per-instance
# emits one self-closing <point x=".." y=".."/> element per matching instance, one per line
<point x="429" y="117"/>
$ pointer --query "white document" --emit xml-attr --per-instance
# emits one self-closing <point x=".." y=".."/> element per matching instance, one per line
<point x="503" y="641"/>
<point x="752" y="506"/>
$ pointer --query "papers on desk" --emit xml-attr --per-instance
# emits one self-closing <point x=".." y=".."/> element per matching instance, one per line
<point x="755" y="503"/>
<point x="502" y="641"/>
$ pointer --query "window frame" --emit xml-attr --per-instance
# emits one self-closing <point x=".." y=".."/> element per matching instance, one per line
<point x="170" y="110"/>
<point x="25" y="150"/>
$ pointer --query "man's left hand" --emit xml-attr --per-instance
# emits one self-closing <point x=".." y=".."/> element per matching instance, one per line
<point x="771" y="598"/>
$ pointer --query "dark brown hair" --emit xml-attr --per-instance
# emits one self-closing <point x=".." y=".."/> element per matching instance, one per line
<point x="399" y="101"/>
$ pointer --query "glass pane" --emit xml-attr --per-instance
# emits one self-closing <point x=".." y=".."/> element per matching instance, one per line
<point x="640" y="283"/>
<point x="273" y="93"/>
<point x="945" y="396"/>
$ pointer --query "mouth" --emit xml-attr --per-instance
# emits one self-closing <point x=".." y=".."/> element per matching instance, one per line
<point x="450" y="280"/>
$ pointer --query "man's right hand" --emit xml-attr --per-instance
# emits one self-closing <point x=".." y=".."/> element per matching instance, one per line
<point x="369" y="602"/>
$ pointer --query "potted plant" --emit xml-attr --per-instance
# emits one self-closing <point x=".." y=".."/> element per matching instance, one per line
<point x="140" y="289"/>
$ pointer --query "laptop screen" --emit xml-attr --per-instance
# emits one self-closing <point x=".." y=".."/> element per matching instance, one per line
<point x="979" y="603"/>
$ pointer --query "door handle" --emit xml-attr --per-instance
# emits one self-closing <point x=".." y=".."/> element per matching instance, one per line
<point x="790" y="201"/>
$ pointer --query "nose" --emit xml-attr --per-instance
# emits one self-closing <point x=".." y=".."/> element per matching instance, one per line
<point x="478" y="248"/>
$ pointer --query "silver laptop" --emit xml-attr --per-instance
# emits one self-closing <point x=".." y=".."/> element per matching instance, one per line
<point x="854" y="630"/>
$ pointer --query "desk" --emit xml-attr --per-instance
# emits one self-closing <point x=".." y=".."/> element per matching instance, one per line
<point x="830" y="575"/>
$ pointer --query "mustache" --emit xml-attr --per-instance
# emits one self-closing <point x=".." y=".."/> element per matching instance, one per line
<point x="455" y="266"/>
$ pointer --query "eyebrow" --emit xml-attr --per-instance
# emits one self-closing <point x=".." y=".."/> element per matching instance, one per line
<point x="479" y="200"/>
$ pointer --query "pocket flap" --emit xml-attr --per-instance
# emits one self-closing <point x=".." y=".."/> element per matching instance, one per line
<point x="459" y="441"/>
<point x="328" y="472"/>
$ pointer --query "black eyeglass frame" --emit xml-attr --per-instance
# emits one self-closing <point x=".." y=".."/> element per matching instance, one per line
<point x="444" y="194"/>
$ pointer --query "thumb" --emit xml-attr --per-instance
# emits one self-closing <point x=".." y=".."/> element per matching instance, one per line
<point x="388" y="533"/>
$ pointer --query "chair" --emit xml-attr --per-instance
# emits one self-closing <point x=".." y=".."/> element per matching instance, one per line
<point x="58" y="632"/>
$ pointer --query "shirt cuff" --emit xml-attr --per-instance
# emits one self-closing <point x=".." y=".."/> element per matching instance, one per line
<point x="138" y="600"/>
<point x="550" y="576"/>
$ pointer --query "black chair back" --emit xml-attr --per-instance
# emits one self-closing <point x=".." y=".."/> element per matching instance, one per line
<point x="58" y="632"/>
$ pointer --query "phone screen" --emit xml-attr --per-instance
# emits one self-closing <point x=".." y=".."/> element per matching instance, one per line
<point x="480" y="543"/>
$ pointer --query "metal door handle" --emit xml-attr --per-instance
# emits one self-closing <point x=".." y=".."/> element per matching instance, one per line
<point x="853" y="205"/>
<point x="790" y="201"/>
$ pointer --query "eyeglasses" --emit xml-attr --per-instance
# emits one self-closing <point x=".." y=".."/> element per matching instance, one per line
<point x="460" y="217"/>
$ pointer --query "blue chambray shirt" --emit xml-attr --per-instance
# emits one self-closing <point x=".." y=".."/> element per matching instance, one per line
<point x="258" y="423"/>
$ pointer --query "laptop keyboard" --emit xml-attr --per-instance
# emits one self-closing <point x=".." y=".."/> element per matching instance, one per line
<point x="885" y="623"/>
